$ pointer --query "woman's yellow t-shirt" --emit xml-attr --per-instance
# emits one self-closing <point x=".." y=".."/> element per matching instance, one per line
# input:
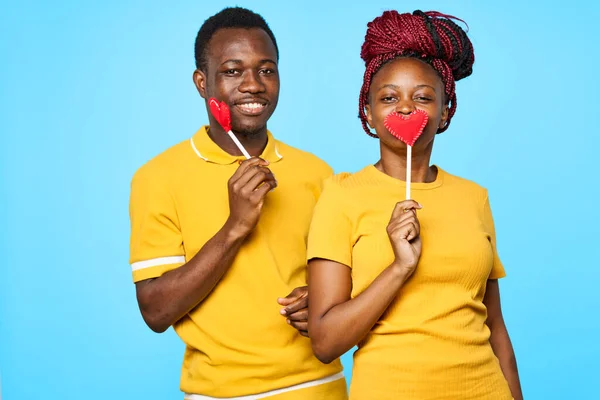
<point x="432" y="341"/>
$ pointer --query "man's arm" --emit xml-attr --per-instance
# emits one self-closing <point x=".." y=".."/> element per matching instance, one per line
<point x="499" y="339"/>
<point x="166" y="299"/>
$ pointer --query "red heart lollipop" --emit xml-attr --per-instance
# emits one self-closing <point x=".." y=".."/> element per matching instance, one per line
<point x="221" y="113"/>
<point x="407" y="128"/>
<point x="223" y="116"/>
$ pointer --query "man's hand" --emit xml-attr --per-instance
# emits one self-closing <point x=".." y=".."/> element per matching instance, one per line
<point x="247" y="190"/>
<point x="296" y="309"/>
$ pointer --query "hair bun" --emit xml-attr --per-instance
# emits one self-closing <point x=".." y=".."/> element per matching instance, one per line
<point x="429" y="34"/>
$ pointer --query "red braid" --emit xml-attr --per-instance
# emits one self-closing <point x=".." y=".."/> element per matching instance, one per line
<point x="431" y="36"/>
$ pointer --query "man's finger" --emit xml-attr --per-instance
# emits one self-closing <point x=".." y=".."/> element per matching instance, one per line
<point x="253" y="176"/>
<point x="262" y="191"/>
<point x="301" y="315"/>
<point x="293" y="296"/>
<point x="244" y="167"/>
<point x="301" y="326"/>
<point x="297" y="305"/>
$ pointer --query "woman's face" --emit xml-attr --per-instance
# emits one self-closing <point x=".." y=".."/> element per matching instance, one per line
<point x="403" y="85"/>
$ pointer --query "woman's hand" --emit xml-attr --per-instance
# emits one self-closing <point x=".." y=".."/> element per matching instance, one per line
<point x="404" y="233"/>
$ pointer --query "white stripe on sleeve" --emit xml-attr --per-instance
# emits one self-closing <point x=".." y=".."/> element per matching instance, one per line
<point x="155" y="262"/>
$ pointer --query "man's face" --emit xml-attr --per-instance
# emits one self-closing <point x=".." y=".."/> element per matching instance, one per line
<point x="241" y="71"/>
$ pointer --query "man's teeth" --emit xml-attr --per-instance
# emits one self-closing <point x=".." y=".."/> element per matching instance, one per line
<point x="252" y="106"/>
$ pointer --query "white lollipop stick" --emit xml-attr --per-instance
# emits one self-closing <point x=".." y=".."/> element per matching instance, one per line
<point x="408" y="170"/>
<point x="238" y="144"/>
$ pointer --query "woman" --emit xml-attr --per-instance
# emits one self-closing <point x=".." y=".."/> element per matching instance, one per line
<point x="412" y="283"/>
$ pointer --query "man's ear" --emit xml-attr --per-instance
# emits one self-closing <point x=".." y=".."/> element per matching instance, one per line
<point x="200" y="81"/>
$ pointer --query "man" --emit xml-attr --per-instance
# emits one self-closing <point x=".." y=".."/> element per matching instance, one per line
<point x="217" y="240"/>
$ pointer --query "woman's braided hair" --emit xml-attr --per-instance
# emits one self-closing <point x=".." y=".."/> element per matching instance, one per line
<point x="429" y="36"/>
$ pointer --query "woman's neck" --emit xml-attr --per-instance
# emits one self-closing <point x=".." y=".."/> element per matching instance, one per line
<point x="393" y="163"/>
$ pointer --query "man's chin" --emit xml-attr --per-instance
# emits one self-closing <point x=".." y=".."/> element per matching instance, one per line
<point x="249" y="131"/>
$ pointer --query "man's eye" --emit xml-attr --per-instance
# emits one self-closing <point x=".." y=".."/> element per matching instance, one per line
<point x="267" y="71"/>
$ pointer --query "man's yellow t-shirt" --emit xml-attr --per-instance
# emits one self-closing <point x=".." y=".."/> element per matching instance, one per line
<point x="237" y="343"/>
<point x="432" y="341"/>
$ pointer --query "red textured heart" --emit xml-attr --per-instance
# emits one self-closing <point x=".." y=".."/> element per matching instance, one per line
<point x="220" y="111"/>
<point x="407" y="128"/>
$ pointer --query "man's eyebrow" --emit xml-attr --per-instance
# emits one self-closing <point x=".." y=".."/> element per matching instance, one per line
<point x="232" y="61"/>
<point x="235" y="61"/>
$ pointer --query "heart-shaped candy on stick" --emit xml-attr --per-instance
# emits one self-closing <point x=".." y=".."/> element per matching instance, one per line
<point x="221" y="112"/>
<point x="407" y="128"/>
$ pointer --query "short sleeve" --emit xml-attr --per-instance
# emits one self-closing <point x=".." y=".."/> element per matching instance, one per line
<point x="326" y="176"/>
<point x="319" y="172"/>
<point x="330" y="235"/>
<point x="488" y="223"/>
<point x="156" y="243"/>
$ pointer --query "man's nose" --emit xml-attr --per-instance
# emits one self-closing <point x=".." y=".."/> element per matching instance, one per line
<point x="251" y="83"/>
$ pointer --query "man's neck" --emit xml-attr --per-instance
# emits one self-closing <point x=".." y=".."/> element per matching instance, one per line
<point x="254" y="144"/>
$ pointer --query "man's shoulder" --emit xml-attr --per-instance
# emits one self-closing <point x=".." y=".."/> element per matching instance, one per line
<point x="166" y="163"/>
<point x="304" y="158"/>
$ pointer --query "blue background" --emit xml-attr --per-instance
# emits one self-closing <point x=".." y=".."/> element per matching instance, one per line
<point x="89" y="91"/>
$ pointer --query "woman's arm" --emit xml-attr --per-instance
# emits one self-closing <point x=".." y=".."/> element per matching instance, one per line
<point x="500" y="340"/>
<point x="336" y="322"/>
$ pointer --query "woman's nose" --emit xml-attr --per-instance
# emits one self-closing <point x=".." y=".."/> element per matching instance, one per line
<point x="405" y="107"/>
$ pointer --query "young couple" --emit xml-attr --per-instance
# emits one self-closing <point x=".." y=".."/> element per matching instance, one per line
<point x="220" y="244"/>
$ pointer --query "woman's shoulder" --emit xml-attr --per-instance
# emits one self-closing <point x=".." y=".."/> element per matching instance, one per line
<point x="345" y="190"/>
<point x="464" y="186"/>
<point x="462" y="182"/>
<point x="339" y="180"/>
<point x="350" y="180"/>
